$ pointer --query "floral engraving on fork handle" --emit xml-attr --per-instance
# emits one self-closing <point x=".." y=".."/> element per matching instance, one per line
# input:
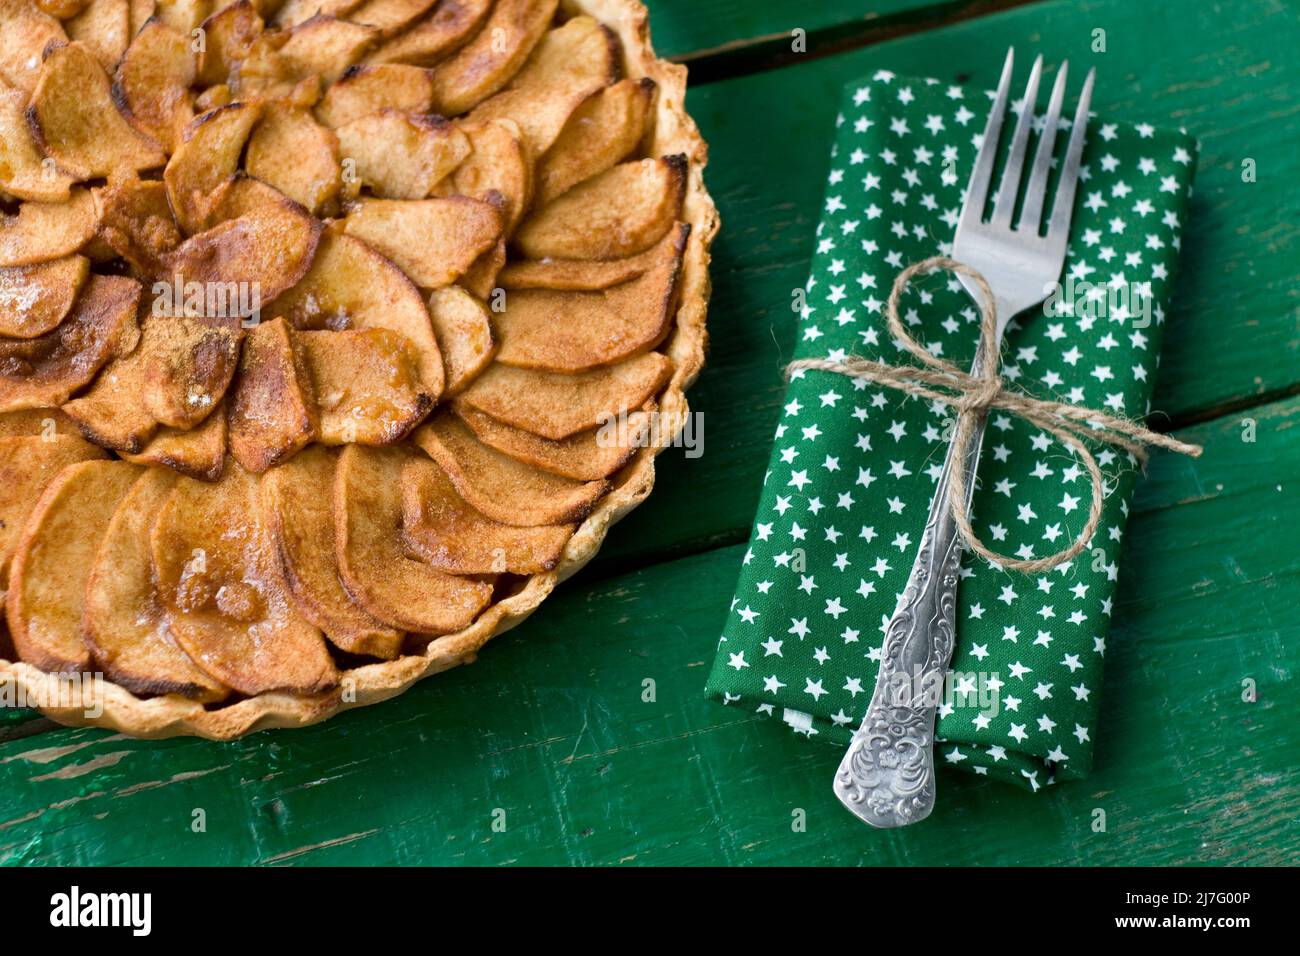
<point x="887" y="776"/>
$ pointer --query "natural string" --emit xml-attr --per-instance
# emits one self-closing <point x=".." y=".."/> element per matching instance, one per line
<point x="973" y="395"/>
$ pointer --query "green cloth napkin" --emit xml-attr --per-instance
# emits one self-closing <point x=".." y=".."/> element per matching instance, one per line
<point x="854" y="464"/>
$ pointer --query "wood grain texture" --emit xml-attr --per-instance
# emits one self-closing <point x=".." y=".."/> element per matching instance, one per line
<point x="551" y="727"/>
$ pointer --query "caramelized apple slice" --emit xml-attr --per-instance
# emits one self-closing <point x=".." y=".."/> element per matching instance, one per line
<point x="367" y="385"/>
<point x="28" y="464"/>
<point x="47" y="370"/>
<point x="47" y="230"/>
<point x="496" y="53"/>
<point x="219" y="587"/>
<point x="568" y="65"/>
<point x="255" y="255"/>
<point x="480" y="279"/>
<point x="34" y="299"/>
<point x="75" y="121"/>
<point x="556" y="405"/>
<point x="62" y="9"/>
<point x="403" y="593"/>
<point x="299" y="157"/>
<point x="326" y="46"/>
<point x="229" y="34"/>
<point x="350" y="286"/>
<point x="47" y="423"/>
<point x="363" y="90"/>
<point x="104" y="26"/>
<point x="501" y="488"/>
<point x="294" y="12"/>
<point x="47" y="578"/>
<point x="402" y="155"/>
<point x="575" y="331"/>
<point x="183" y="16"/>
<point x="122" y="624"/>
<point x="623" y="211"/>
<point x="450" y="25"/>
<point x="432" y="240"/>
<point x="25" y="32"/>
<point x="198" y="452"/>
<point x="389" y="16"/>
<point x="585" y="456"/>
<point x="24" y="171"/>
<point x="464" y="334"/>
<point x="605" y="129"/>
<point x="442" y="530"/>
<point x="206" y="159"/>
<point x="111" y="412"/>
<point x="153" y="83"/>
<point x="577" y="275"/>
<point x="298" y="507"/>
<point x="273" y="410"/>
<point x="497" y="163"/>
<point x="135" y="221"/>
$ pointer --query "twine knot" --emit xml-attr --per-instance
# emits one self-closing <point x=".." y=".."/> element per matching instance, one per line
<point x="974" y="394"/>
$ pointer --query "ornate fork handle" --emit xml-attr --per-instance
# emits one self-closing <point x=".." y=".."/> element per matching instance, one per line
<point x="887" y="776"/>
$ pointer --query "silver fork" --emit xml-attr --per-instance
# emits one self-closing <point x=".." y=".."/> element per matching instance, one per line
<point x="887" y="776"/>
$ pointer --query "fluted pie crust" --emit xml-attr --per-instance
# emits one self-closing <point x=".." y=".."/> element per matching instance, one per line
<point x="673" y="134"/>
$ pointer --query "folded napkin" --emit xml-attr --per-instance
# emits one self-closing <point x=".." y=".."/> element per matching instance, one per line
<point x="855" y="464"/>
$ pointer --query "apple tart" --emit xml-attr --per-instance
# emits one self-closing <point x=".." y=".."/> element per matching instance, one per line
<point x="314" y="321"/>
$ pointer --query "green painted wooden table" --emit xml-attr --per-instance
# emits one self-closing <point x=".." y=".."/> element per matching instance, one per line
<point x="552" y="732"/>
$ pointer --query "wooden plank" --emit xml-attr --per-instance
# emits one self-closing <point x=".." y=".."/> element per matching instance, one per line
<point x="551" y="727"/>
<point x="691" y="29"/>
<point x="1235" y="326"/>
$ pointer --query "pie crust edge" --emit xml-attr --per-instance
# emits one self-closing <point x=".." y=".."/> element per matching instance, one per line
<point x="169" y="716"/>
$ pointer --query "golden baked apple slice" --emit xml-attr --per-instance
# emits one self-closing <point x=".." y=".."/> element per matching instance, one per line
<point x="585" y="456"/>
<point x="401" y="592"/>
<point x="28" y="464"/>
<point x="501" y="488"/>
<point x="363" y="90"/>
<point x="53" y="558"/>
<point x="577" y="275"/>
<point x="292" y="152"/>
<point x="153" y="80"/>
<point x="293" y="12"/>
<point x="104" y="26"/>
<point x="367" y="385"/>
<point x="25" y="32"/>
<point x="222" y="595"/>
<point x="111" y="412"/>
<point x="390" y="16"/>
<point x="47" y="230"/>
<point x="76" y="123"/>
<point x="259" y="253"/>
<point x="402" y="155"/>
<point x="47" y="370"/>
<point x="493" y="57"/>
<point x="25" y="172"/>
<point x="432" y="240"/>
<point x="605" y="129"/>
<point x="187" y="365"/>
<point x="497" y="162"/>
<point x="442" y="32"/>
<point x="576" y="331"/>
<point x="206" y="159"/>
<point x="34" y="299"/>
<point x="350" y="286"/>
<point x="298" y="507"/>
<point x="568" y="65"/>
<point x="135" y="221"/>
<point x="199" y="452"/>
<point x="228" y="35"/>
<point x="556" y="405"/>
<point x="47" y="423"/>
<point x="183" y="16"/>
<point x="464" y="335"/>
<point x="123" y="624"/>
<point x="442" y="530"/>
<point x="622" y="211"/>
<point x="326" y="46"/>
<point x="62" y="9"/>
<point x="272" y="409"/>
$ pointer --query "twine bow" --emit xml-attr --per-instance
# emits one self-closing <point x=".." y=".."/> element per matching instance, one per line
<point x="973" y="395"/>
